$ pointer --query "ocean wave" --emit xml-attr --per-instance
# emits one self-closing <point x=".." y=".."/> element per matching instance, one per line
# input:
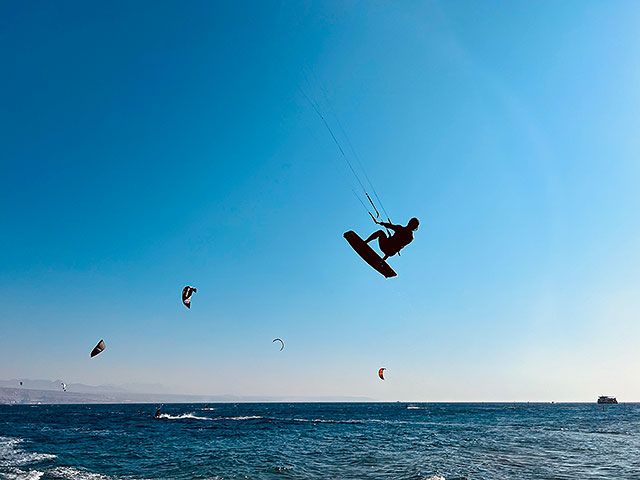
<point x="317" y="420"/>
<point x="11" y="455"/>
<point x="362" y="421"/>
<point x="17" y="474"/>
<point x="184" y="416"/>
<point x="71" y="473"/>
<point x="191" y="416"/>
<point x="610" y="432"/>
<point x="246" y="417"/>
<point x="283" y="468"/>
<point x="348" y="421"/>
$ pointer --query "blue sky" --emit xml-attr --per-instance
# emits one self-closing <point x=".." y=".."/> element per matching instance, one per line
<point x="155" y="145"/>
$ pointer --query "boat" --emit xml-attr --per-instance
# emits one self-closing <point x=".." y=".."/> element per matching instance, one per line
<point x="607" y="400"/>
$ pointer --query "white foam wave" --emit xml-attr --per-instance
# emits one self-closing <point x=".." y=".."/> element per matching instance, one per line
<point x="11" y="455"/>
<point x="414" y="407"/>
<point x="347" y="420"/>
<point x="191" y="416"/>
<point x="71" y="473"/>
<point x="284" y="468"/>
<point x="17" y="474"/>
<point x="184" y="416"/>
<point x="247" y="417"/>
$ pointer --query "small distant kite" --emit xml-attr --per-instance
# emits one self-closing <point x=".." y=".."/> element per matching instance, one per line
<point x="64" y="386"/>
<point x="381" y="373"/>
<point x="186" y="295"/>
<point x="98" y="348"/>
<point x="279" y="340"/>
<point x="20" y="383"/>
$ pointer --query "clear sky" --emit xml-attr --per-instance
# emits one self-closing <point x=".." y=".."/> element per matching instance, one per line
<point x="147" y="146"/>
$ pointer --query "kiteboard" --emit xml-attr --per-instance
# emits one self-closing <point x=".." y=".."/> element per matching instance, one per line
<point x="368" y="254"/>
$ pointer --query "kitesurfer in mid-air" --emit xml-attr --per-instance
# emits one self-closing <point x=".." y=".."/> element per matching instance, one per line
<point x="402" y="236"/>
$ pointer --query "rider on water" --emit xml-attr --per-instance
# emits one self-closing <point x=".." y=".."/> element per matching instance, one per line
<point x="402" y="236"/>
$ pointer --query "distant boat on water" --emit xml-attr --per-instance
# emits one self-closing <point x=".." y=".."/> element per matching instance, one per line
<point x="608" y="400"/>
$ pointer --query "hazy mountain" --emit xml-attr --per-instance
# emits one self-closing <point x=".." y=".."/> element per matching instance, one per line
<point x="50" y="391"/>
<point x="32" y="384"/>
<point x="82" y="388"/>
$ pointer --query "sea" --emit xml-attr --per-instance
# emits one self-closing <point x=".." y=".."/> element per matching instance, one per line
<point x="421" y="441"/>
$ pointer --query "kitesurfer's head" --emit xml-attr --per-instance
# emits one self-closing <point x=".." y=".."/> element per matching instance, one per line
<point x="413" y="223"/>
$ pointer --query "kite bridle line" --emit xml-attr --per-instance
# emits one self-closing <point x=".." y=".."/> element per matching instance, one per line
<point x="316" y="108"/>
<point x="344" y="133"/>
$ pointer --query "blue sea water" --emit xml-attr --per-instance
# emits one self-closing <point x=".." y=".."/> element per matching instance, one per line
<point x="320" y="441"/>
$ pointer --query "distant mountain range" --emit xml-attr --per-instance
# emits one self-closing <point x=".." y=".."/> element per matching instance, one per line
<point x="55" y="385"/>
<point x="50" y="391"/>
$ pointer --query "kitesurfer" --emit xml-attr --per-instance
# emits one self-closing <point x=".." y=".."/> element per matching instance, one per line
<point x="157" y="415"/>
<point x="402" y="236"/>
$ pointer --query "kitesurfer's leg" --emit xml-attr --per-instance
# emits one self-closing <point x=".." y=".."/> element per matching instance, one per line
<point x="374" y="235"/>
<point x="383" y="243"/>
<point x="387" y="246"/>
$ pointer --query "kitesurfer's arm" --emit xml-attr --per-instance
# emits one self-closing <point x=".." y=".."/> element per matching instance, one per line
<point x="390" y="225"/>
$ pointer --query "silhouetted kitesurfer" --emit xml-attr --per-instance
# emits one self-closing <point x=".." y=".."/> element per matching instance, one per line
<point x="402" y="236"/>
<point x="157" y="415"/>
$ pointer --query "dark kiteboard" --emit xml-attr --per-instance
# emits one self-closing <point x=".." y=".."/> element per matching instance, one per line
<point x="368" y="254"/>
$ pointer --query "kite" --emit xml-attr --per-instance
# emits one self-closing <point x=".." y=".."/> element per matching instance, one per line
<point x="98" y="348"/>
<point x="186" y="295"/>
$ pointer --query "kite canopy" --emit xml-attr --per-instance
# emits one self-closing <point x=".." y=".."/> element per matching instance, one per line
<point x="186" y="295"/>
<point x="381" y="373"/>
<point x="279" y="340"/>
<point x="98" y="348"/>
